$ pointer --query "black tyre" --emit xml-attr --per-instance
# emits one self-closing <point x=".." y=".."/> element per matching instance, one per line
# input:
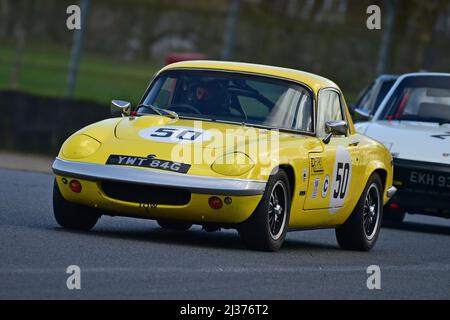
<point x="174" y="225"/>
<point x="70" y="215"/>
<point x="361" y="230"/>
<point x="266" y="228"/>
<point x="393" y="215"/>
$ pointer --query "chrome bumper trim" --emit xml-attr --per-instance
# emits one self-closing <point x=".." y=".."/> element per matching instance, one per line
<point x="196" y="184"/>
<point x="391" y="192"/>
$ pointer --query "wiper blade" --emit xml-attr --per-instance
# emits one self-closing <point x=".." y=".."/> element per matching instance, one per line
<point x="160" y="111"/>
<point x="196" y="118"/>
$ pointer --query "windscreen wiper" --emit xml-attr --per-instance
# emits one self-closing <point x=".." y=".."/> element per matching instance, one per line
<point x="160" y="111"/>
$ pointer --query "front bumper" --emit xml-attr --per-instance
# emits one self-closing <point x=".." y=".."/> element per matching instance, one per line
<point x="94" y="178"/>
<point x="195" y="184"/>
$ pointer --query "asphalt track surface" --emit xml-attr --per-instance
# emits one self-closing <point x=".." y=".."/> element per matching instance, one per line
<point x="135" y="259"/>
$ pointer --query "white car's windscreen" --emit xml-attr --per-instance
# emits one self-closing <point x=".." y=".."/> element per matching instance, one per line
<point x="419" y="100"/>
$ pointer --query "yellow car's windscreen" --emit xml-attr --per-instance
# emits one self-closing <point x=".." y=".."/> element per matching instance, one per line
<point x="235" y="97"/>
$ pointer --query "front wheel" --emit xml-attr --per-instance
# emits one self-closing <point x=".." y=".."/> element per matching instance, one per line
<point x="70" y="215"/>
<point x="361" y="230"/>
<point x="266" y="228"/>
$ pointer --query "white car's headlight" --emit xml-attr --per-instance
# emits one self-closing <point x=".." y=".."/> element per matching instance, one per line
<point x="233" y="164"/>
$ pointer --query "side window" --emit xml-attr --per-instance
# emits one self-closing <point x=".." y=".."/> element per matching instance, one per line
<point x="329" y="109"/>
<point x="385" y="87"/>
<point x="363" y="102"/>
<point x="292" y="106"/>
<point x="293" y="110"/>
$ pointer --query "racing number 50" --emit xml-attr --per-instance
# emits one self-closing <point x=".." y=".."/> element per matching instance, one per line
<point x="183" y="135"/>
<point x="342" y="172"/>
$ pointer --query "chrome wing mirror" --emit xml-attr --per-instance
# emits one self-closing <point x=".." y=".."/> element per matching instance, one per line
<point x="120" y="107"/>
<point x="335" y="128"/>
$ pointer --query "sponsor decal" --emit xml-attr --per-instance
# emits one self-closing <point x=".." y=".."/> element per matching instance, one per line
<point x="315" y="187"/>
<point x="441" y="136"/>
<point x="316" y="165"/>
<point x="148" y="206"/>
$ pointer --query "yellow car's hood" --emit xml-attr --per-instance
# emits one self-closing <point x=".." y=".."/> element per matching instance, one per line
<point x="210" y="148"/>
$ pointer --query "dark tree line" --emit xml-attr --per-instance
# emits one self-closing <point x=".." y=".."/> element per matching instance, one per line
<point x="328" y="37"/>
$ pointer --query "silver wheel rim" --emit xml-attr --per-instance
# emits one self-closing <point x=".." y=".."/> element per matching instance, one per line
<point x="371" y="211"/>
<point x="277" y="210"/>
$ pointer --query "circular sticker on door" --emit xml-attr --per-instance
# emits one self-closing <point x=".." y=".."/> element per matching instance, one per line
<point x="175" y="134"/>
<point x="325" y="186"/>
<point x="342" y="176"/>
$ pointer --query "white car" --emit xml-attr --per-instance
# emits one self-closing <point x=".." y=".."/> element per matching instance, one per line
<point x="413" y="122"/>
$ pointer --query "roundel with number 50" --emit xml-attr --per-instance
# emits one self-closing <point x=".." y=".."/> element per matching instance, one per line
<point x="175" y="134"/>
<point x="342" y="177"/>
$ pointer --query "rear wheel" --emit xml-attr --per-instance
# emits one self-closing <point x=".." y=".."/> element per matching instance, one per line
<point x="266" y="228"/>
<point x="70" y="215"/>
<point x="360" y="231"/>
<point x="174" y="225"/>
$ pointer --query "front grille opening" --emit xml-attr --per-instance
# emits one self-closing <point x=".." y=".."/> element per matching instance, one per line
<point x="132" y="192"/>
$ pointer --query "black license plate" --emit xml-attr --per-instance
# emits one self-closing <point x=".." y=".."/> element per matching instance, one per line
<point x="149" y="162"/>
<point x="429" y="179"/>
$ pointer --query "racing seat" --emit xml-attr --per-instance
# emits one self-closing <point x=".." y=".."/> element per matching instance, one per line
<point x="434" y="110"/>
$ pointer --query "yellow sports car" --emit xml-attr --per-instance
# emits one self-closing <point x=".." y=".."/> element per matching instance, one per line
<point x="257" y="148"/>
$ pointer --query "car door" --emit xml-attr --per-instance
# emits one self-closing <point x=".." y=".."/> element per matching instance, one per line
<point x="331" y="177"/>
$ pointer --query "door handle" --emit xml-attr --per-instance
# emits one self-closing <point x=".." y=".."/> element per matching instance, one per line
<point x="353" y="144"/>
